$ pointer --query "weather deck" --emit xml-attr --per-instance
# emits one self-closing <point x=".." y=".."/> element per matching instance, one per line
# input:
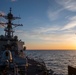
<point x="35" y="68"/>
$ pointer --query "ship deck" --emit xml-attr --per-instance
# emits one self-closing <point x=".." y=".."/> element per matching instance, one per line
<point x="35" y="68"/>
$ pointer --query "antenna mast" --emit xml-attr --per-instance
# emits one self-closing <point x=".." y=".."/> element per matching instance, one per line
<point x="9" y="29"/>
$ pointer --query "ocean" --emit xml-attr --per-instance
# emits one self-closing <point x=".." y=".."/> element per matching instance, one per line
<point x="56" y="60"/>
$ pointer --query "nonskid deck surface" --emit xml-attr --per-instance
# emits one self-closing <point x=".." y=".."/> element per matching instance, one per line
<point x="35" y="68"/>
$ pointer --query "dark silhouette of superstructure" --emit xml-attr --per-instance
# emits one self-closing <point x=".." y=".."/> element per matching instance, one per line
<point x="13" y="60"/>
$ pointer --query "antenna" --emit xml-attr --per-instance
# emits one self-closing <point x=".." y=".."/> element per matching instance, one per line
<point x="9" y="25"/>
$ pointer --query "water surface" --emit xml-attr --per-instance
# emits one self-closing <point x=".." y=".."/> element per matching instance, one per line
<point x="55" y="59"/>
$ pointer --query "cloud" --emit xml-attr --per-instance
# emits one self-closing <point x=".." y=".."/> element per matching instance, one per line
<point x="70" y="24"/>
<point x="54" y="11"/>
<point x="19" y="31"/>
<point x="53" y="15"/>
<point x="48" y="34"/>
<point x="57" y="38"/>
<point x="72" y="18"/>
<point x="2" y="20"/>
<point x="68" y="4"/>
<point x="48" y="37"/>
<point x="2" y="13"/>
<point x="43" y="33"/>
<point x="45" y="29"/>
<point x="2" y="25"/>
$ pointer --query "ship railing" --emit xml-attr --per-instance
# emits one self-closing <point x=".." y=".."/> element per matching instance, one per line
<point x="39" y="60"/>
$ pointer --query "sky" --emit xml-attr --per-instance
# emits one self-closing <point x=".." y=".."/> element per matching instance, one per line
<point x="47" y="24"/>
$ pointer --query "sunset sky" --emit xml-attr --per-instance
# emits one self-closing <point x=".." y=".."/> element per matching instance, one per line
<point x="47" y="24"/>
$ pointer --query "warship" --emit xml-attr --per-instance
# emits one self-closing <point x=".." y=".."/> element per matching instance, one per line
<point x="13" y="61"/>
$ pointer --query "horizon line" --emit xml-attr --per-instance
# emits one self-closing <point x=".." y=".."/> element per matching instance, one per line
<point x="51" y="49"/>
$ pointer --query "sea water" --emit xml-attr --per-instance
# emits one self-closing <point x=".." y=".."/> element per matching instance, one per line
<point x="57" y="60"/>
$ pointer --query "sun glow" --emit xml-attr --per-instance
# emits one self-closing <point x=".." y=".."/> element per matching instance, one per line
<point x="52" y="46"/>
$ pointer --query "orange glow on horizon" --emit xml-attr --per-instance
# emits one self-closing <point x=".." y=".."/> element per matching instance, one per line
<point x="52" y="46"/>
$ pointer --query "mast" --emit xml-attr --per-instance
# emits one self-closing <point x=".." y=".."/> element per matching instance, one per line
<point x="9" y="25"/>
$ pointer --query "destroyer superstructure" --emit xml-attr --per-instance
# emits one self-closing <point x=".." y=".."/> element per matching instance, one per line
<point x="12" y="58"/>
<point x="9" y="31"/>
<point x="13" y="61"/>
<point x="11" y="49"/>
